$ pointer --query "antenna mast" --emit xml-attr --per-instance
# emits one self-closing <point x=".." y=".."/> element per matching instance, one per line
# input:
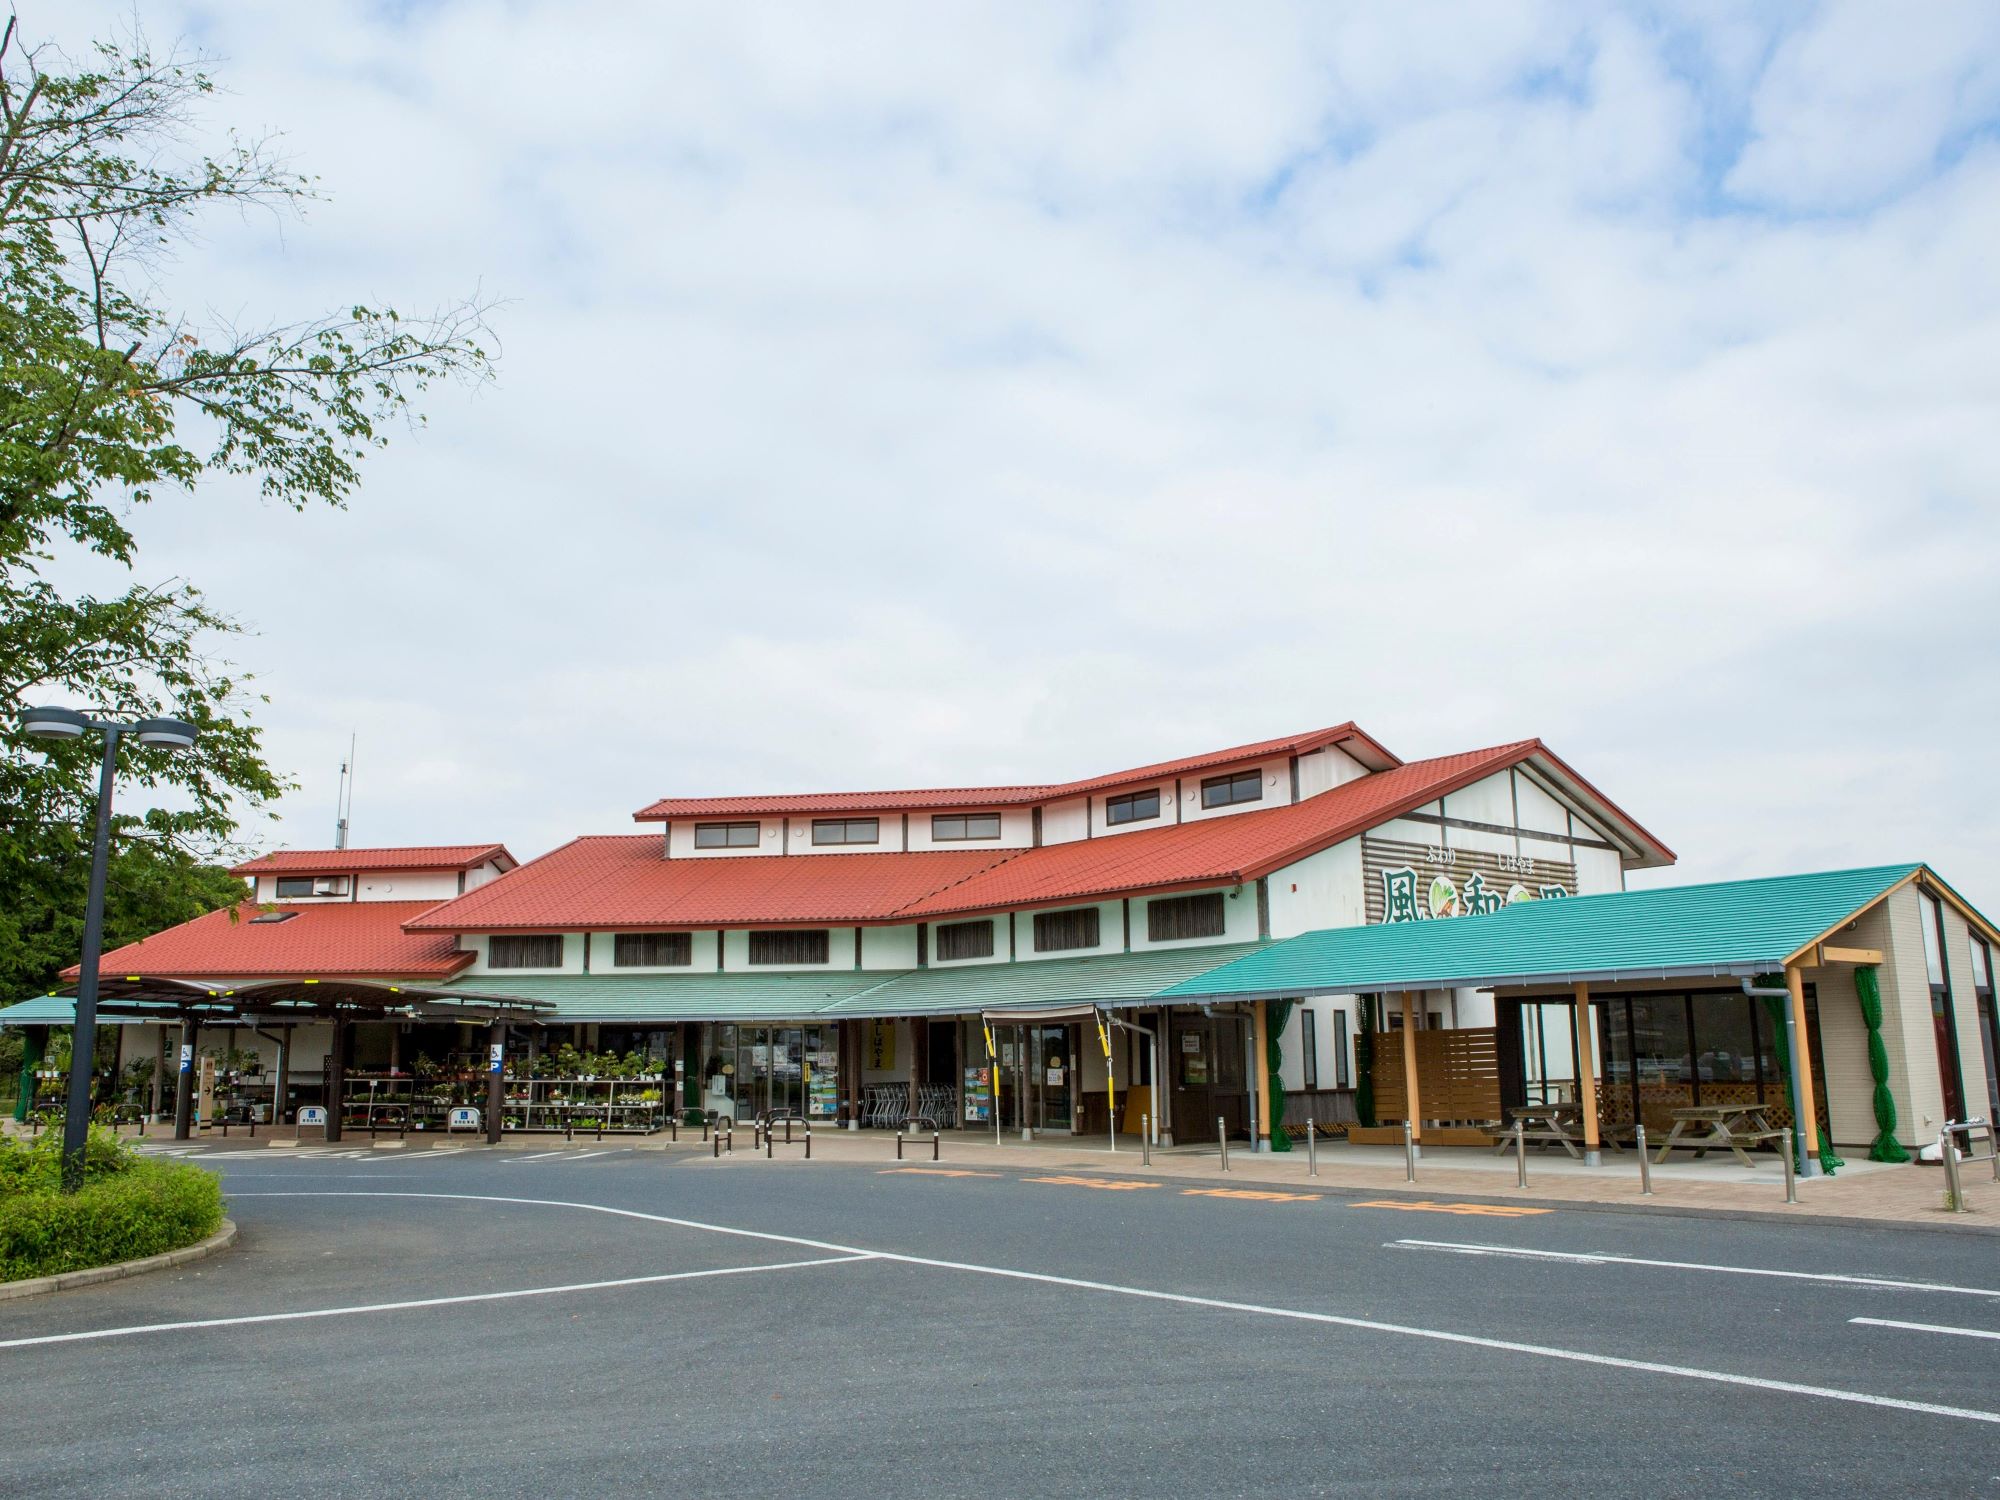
<point x="343" y="797"/>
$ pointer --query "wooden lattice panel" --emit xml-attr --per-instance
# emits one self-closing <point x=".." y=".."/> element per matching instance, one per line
<point x="1458" y="1074"/>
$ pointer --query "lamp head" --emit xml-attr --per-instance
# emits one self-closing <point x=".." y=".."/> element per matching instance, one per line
<point x="53" y="723"/>
<point x="165" y="734"/>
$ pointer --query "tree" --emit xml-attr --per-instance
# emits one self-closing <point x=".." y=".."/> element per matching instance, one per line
<point x="111" y="400"/>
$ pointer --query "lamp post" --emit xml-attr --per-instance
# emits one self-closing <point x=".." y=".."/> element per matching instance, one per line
<point x="68" y="724"/>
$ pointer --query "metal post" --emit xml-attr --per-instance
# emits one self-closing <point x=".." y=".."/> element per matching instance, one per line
<point x="1312" y="1150"/>
<point x="1409" y="1154"/>
<point x="809" y="1140"/>
<point x="770" y="1143"/>
<point x="1948" y="1154"/>
<point x="1791" y="1176"/>
<point x="1645" y="1162"/>
<point x="717" y="1148"/>
<point x="1520" y="1155"/>
<point x="937" y="1145"/>
<point x="1145" y="1140"/>
<point x="496" y="1081"/>
<point x="281" y="1086"/>
<point x="899" y="1143"/>
<point x="1222" y="1137"/>
<point x="83" y="1041"/>
<point x="184" y="1089"/>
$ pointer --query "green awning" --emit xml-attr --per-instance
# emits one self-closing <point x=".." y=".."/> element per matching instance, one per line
<point x="60" y="1010"/>
<point x="1734" y="929"/>
<point x="632" y="999"/>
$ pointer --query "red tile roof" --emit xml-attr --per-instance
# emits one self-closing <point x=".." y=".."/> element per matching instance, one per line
<point x="357" y="938"/>
<point x="626" y="882"/>
<point x="623" y="881"/>
<point x="1371" y="753"/>
<point x="343" y="861"/>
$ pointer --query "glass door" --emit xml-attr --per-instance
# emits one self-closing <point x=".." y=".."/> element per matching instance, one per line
<point x="1054" y="1060"/>
<point x="787" y="1070"/>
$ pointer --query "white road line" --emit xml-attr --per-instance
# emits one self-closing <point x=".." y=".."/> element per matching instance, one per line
<point x="1589" y="1258"/>
<point x="586" y="1155"/>
<point x="538" y="1156"/>
<point x="380" y="1307"/>
<point x="1964" y="1333"/>
<point x="1366" y="1325"/>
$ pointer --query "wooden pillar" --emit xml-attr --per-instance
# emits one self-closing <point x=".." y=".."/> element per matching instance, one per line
<point x="1260" y="1049"/>
<point x="1802" y="1074"/>
<point x="1586" y="1077"/>
<point x="1412" y="1105"/>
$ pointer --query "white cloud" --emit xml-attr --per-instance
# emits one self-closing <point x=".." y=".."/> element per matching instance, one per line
<point x="896" y="395"/>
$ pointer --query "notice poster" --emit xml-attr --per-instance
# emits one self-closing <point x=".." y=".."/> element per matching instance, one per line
<point x="978" y="1093"/>
<point x="822" y="1084"/>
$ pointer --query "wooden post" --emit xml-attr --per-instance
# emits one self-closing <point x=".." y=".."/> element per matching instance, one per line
<point x="1260" y="1049"/>
<point x="1412" y="1105"/>
<point x="1586" y="1078"/>
<point x="1802" y="1075"/>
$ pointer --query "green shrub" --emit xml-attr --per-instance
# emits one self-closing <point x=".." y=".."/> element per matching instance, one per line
<point x="127" y="1208"/>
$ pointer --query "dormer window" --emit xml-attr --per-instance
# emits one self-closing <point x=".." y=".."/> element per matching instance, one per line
<point x="725" y="835"/>
<point x="1227" y="791"/>
<point x="1133" y="807"/>
<point x="298" y="887"/>
<point x="847" y="830"/>
<point x="952" y="828"/>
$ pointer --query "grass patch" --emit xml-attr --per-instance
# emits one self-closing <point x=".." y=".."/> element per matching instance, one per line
<point x="128" y="1207"/>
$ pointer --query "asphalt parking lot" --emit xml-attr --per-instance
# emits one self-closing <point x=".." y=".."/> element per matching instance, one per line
<point x="600" y="1321"/>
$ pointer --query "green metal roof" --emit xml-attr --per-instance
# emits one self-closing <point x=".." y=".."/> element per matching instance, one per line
<point x="60" y="1010"/>
<point x="1105" y="979"/>
<point x="1735" y="928"/>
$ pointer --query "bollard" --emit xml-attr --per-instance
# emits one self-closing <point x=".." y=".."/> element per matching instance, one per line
<point x="1409" y="1154"/>
<point x="809" y="1140"/>
<point x="899" y="1143"/>
<point x="937" y="1144"/>
<point x="1520" y="1155"/>
<point x="704" y="1127"/>
<point x="1312" y="1150"/>
<point x="1791" y="1174"/>
<point x="769" y="1141"/>
<point x="1222" y="1135"/>
<point x="729" y="1146"/>
<point x="1948" y="1154"/>
<point x="716" y="1148"/>
<point x="1145" y="1140"/>
<point x="1645" y="1164"/>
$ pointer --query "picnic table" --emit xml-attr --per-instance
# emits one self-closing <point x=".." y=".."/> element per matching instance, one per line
<point x="1546" y="1125"/>
<point x="1732" y="1125"/>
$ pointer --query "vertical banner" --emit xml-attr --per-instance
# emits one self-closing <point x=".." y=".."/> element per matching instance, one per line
<point x="882" y="1046"/>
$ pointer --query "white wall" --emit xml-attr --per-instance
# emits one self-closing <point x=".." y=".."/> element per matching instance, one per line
<point x="1326" y="889"/>
<point x="1277" y="777"/>
<point x="889" y="947"/>
<point x="1110" y="932"/>
<point x="1323" y="770"/>
<point x="1063" y="822"/>
<point x="408" y="885"/>
<point x="1239" y="916"/>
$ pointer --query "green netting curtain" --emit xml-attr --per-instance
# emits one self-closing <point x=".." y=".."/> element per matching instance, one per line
<point x="1276" y="1014"/>
<point x="1885" y="1147"/>
<point x="1364" y="1061"/>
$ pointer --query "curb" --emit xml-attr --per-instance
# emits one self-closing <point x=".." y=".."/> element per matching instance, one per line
<point x="1407" y="1193"/>
<point x="222" y="1239"/>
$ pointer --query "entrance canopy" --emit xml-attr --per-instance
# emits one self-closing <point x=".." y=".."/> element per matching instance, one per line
<point x="1733" y="930"/>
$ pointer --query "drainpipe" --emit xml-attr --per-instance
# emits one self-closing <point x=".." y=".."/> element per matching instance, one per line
<point x="1793" y="1041"/>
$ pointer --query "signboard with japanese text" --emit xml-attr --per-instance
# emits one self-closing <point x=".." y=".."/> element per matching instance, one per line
<point x="1421" y="883"/>
<point x="881" y="1051"/>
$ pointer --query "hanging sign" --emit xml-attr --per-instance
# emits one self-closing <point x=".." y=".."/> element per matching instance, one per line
<point x="187" y="1056"/>
<point x="496" y="1056"/>
<point x="881" y="1046"/>
<point x="1424" y="882"/>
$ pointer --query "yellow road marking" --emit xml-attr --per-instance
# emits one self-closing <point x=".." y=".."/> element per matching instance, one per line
<point x="932" y="1172"/>
<point x="1092" y="1182"/>
<point x="1477" y="1210"/>
<point x="1247" y="1193"/>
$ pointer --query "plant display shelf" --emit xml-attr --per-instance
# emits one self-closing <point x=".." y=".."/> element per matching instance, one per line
<point x="597" y="1106"/>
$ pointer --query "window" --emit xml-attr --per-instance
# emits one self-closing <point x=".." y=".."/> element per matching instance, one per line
<point x="1056" y="931"/>
<point x="1133" y="807"/>
<point x="1171" y="919"/>
<point x="1943" y="1018"/>
<point x="1226" y="791"/>
<point x="1989" y="1036"/>
<point x="652" y="950"/>
<point x="847" y="830"/>
<point x="808" y="946"/>
<point x="273" y="916"/>
<point x="292" y="886"/>
<point x="1341" y="1078"/>
<point x="725" y="835"/>
<point x="949" y="828"/>
<point x="1308" y="1048"/>
<point x="543" y="950"/>
<point x="965" y="940"/>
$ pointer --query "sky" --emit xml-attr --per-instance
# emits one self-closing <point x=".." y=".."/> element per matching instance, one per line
<point x="931" y="394"/>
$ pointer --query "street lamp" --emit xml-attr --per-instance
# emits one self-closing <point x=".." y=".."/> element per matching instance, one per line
<point x="68" y="724"/>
